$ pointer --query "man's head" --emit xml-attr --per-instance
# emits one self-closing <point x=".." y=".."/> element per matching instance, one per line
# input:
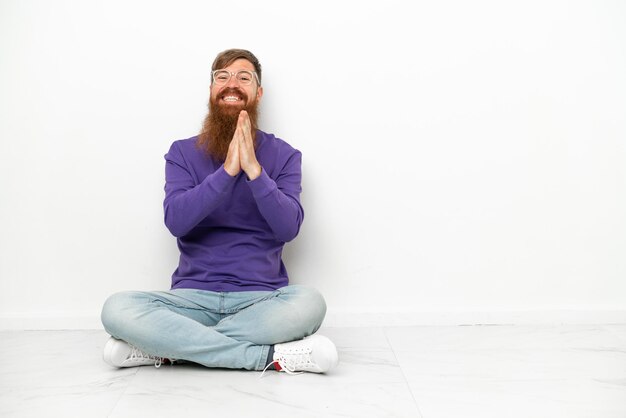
<point x="235" y="86"/>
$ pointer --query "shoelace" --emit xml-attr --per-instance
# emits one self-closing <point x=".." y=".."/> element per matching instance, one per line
<point x="137" y="354"/>
<point x="291" y="361"/>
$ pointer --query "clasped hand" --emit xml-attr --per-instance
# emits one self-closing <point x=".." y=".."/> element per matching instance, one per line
<point x="241" y="155"/>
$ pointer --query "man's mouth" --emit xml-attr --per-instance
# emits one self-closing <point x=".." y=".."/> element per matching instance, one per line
<point x="232" y="96"/>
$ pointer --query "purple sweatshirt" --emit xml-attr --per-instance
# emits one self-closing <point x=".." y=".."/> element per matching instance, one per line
<point x="231" y="231"/>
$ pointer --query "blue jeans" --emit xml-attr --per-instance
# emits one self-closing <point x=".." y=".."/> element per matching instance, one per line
<point x="216" y="329"/>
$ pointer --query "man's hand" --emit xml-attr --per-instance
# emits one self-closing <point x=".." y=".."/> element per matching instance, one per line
<point x="247" y="156"/>
<point x="241" y="155"/>
<point x="232" y="165"/>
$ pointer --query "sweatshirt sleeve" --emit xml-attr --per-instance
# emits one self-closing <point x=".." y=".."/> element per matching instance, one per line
<point x="279" y="200"/>
<point x="187" y="203"/>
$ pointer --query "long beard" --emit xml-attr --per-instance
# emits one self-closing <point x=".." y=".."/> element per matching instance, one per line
<point x="219" y="127"/>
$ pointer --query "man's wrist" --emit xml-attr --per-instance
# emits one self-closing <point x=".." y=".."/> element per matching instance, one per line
<point x="231" y="171"/>
<point x="255" y="172"/>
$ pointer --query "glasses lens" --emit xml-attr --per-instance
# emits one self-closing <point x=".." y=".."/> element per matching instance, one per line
<point x="221" y="76"/>
<point x="245" y="77"/>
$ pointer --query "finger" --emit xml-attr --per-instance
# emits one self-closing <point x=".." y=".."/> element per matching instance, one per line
<point x="239" y="140"/>
<point x="244" y="120"/>
<point x="238" y="131"/>
<point x="246" y="123"/>
<point x="241" y="137"/>
<point x="234" y="143"/>
<point x="246" y="152"/>
<point x="246" y="141"/>
<point x="247" y="133"/>
<point x="239" y="125"/>
<point x="243" y="148"/>
<point x="232" y="164"/>
<point x="242" y="117"/>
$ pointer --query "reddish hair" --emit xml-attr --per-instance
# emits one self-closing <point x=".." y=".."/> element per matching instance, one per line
<point x="225" y="58"/>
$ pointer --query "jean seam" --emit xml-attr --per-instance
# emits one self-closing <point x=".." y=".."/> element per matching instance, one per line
<point x="235" y="311"/>
<point x="175" y="305"/>
<point x="265" y="350"/>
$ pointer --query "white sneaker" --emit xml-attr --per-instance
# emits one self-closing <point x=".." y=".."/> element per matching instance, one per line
<point x="119" y="353"/>
<point x="315" y="354"/>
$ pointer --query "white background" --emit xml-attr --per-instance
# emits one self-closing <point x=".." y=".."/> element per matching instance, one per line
<point x="459" y="157"/>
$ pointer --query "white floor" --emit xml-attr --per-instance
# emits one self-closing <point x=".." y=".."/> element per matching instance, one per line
<point x="430" y="372"/>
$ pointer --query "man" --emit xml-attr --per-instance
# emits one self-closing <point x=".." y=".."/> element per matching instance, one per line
<point x="232" y="199"/>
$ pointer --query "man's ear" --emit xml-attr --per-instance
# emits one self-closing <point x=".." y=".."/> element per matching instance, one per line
<point x="259" y="93"/>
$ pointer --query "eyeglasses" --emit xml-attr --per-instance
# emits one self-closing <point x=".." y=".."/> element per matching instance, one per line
<point x="244" y="77"/>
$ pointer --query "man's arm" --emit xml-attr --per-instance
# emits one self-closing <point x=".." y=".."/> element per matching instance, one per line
<point x="279" y="201"/>
<point x="186" y="204"/>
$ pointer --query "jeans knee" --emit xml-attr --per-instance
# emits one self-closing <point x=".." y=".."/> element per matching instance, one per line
<point x="318" y="304"/>
<point x="112" y="315"/>
<point x="312" y="306"/>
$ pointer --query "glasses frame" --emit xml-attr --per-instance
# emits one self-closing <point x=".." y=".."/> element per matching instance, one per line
<point x="231" y="74"/>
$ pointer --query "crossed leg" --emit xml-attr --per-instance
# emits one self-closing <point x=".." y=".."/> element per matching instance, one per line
<point x="232" y="330"/>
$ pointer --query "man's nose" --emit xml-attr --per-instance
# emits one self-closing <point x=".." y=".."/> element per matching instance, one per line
<point x="232" y="81"/>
